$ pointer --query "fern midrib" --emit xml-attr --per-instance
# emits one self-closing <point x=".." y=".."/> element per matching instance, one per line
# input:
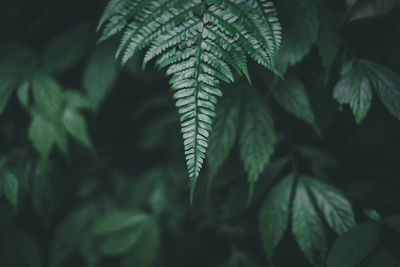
<point x="196" y="96"/>
<point x="270" y="27"/>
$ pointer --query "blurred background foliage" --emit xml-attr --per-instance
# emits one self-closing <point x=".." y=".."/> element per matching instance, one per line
<point x="92" y="171"/>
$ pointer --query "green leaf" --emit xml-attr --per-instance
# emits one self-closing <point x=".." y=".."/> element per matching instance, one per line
<point x="67" y="49"/>
<point x="307" y="227"/>
<point x="146" y="253"/>
<point x="386" y="84"/>
<point x="373" y="215"/>
<point x="100" y="73"/>
<point x="239" y="200"/>
<point x="274" y="215"/>
<point x="119" y="231"/>
<point x="70" y="233"/>
<point x="257" y="137"/>
<point x="328" y="40"/>
<point x="10" y="187"/>
<point x="292" y="96"/>
<point x="48" y="96"/>
<point x="300" y="31"/>
<point x="44" y="134"/>
<point x="223" y="135"/>
<point x="332" y="204"/>
<point x="354" y="88"/>
<point x="75" y="124"/>
<point x="353" y="246"/>
<point x="76" y="100"/>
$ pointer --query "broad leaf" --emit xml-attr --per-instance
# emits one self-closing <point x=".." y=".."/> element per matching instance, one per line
<point x="70" y="232"/>
<point x="147" y="251"/>
<point x="75" y="124"/>
<point x="386" y="84"/>
<point x="274" y="215"/>
<point x="300" y="31"/>
<point x="332" y="204"/>
<point x="100" y="73"/>
<point x="223" y="136"/>
<point x="44" y="134"/>
<point x="292" y="96"/>
<point x="373" y="215"/>
<point x="307" y="227"/>
<point x="328" y="40"/>
<point x="48" y="96"/>
<point x="76" y="100"/>
<point x="354" y="88"/>
<point x="353" y="246"/>
<point x="10" y="187"/>
<point x="67" y="49"/>
<point x="257" y="137"/>
<point x="17" y="62"/>
<point x="119" y="231"/>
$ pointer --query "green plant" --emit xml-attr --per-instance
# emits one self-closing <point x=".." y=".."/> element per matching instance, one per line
<point x="199" y="42"/>
<point x="300" y="167"/>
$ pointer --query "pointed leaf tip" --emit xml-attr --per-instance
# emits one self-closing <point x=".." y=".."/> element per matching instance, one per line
<point x="192" y="188"/>
<point x="251" y="193"/>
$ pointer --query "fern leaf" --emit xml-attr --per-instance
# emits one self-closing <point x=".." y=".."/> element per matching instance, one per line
<point x="199" y="42"/>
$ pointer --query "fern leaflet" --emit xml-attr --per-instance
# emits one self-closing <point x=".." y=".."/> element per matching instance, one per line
<point x="198" y="42"/>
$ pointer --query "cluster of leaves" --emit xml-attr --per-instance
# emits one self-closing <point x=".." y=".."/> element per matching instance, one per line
<point x="55" y="111"/>
<point x="199" y="42"/>
<point x="277" y="154"/>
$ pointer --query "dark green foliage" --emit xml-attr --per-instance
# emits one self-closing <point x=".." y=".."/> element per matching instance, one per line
<point x="307" y="227"/>
<point x="359" y="79"/>
<point x="292" y="96"/>
<point x="297" y="136"/>
<point x="274" y="216"/>
<point x="223" y="137"/>
<point x="10" y="187"/>
<point x="350" y="248"/>
<point x="354" y="89"/>
<point x="257" y="137"/>
<point x="198" y="42"/>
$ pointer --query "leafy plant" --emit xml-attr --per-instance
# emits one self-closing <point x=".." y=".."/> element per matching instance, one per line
<point x="299" y="156"/>
<point x="198" y="42"/>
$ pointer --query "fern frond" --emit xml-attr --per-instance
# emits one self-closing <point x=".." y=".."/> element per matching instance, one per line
<point x="199" y="42"/>
<point x="116" y="14"/>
